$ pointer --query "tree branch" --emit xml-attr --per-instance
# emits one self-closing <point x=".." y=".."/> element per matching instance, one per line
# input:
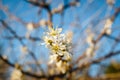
<point x="20" y="39"/>
<point x="29" y="73"/>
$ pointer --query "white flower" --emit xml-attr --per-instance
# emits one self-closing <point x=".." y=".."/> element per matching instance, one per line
<point x="53" y="58"/>
<point x="108" y="26"/>
<point x="108" y="23"/>
<point x="30" y="26"/>
<point x="16" y="75"/>
<point x="89" y="51"/>
<point x="69" y="35"/>
<point x="61" y="66"/>
<point x="48" y="40"/>
<point x="108" y="31"/>
<point x="90" y="39"/>
<point x="59" y="45"/>
<point x="67" y="56"/>
<point x="24" y="49"/>
<point x="54" y="32"/>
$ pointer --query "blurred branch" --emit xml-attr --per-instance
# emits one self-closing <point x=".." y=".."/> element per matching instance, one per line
<point x="61" y="8"/>
<point x="112" y="76"/>
<point x="114" y="16"/>
<point x="12" y="31"/>
<point x="29" y="73"/>
<point x="103" y="33"/>
<point x="30" y="38"/>
<point x="6" y="61"/>
<point x="39" y="3"/>
<point x="44" y="6"/>
<point x="106" y="57"/>
<point x="74" y="3"/>
<point x="112" y="37"/>
<point x="5" y="9"/>
<point x="62" y="75"/>
<point x="96" y="61"/>
<point x="20" y="39"/>
<point x="11" y="16"/>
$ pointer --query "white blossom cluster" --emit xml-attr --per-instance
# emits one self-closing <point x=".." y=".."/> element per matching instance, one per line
<point x="107" y="27"/>
<point x="59" y="45"/>
<point x="16" y="75"/>
<point x="90" y="49"/>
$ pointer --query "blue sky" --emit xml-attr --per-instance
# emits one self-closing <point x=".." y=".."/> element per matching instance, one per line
<point x="83" y="16"/>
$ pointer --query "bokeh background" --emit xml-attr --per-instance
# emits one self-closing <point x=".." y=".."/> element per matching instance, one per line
<point x="93" y="24"/>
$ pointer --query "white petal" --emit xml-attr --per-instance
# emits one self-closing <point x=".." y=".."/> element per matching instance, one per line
<point x="59" y="30"/>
